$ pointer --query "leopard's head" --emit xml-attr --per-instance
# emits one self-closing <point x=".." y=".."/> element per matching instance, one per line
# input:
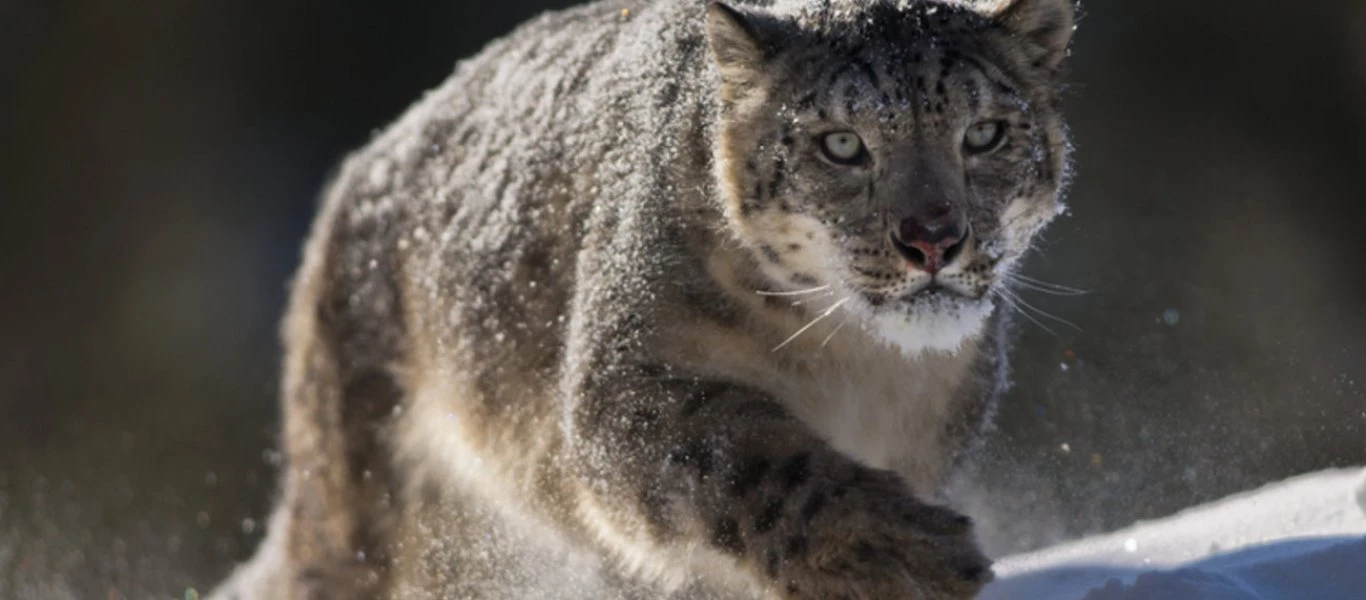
<point x="895" y="156"/>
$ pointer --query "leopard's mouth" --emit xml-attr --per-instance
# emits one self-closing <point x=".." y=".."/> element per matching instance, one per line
<point x="934" y="295"/>
<point x="937" y="289"/>
<point x="931" y="294"/>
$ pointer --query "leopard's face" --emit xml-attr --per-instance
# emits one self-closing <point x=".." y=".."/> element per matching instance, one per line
<point x="900" y="166"/>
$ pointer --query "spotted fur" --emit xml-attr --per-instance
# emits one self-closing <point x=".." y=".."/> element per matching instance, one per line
<point x="595" y="319"/>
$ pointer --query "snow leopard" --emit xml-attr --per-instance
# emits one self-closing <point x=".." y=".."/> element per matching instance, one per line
<point x="671" y="299"/>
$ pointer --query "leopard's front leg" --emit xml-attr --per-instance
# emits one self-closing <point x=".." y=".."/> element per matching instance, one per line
<point x="675" y="463"/>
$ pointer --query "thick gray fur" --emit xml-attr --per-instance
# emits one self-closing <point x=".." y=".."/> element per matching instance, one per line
<point x="542" y="341"/>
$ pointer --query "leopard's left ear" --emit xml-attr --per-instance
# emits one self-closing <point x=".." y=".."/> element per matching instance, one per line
<point x="1044" y="28"/>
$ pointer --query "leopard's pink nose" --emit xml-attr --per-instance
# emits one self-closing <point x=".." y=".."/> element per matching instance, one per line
<point x="929" y="241"/>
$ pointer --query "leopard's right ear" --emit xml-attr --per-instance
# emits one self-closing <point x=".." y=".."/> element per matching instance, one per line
<point x="1044" y="27"/>
<point x="741" y="43"/>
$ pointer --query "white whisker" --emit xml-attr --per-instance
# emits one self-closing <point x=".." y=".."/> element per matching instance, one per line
<point x="1047" y="284"/>
<point x="1047" y="314"/>
<point x="1023" y="307"/>
<point x="793" y="293"/>
<point x="1011" y="301"/>
<point x="827" y="339"/>
<point x="819" y="318"/>
<point x="1044" y="290"/>
<point x="820" y="297"/>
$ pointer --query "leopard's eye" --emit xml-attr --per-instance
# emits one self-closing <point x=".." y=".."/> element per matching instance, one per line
<point x="843" y="147"/>
<point x="984" y="137"/>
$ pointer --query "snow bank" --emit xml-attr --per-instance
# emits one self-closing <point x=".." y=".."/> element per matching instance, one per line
<point x="1301" y="539"/>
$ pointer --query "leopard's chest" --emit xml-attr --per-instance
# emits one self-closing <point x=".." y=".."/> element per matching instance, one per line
<point x="882" y="407"/>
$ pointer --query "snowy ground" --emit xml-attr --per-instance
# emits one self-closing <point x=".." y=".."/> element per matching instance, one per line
<point x="1301" y="539"/>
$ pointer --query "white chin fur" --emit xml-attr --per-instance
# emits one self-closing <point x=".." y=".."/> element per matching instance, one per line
<point x="936" y="323"/>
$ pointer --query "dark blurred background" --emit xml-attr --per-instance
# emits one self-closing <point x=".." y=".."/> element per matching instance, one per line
<point x="160" y="162"/>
